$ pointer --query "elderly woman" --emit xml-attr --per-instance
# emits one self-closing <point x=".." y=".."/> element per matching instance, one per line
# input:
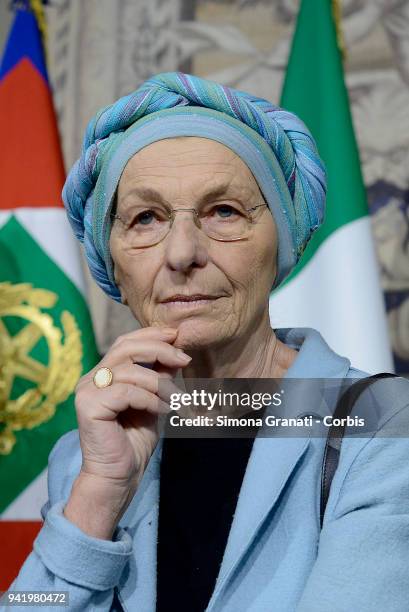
<point x="193" y="201"/>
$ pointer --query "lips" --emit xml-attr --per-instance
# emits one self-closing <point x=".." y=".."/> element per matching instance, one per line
<point x="189" y="298"/>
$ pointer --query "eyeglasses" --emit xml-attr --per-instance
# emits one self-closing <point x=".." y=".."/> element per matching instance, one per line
<point x="146" y="226"/>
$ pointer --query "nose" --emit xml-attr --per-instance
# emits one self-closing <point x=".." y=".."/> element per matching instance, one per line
<point x="186" y="243"/>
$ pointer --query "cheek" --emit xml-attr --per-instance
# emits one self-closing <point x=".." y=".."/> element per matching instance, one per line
<point x="266" y="252"/>
<point x="140" y="275"/>
<point x="261" y="271"/>
<point x="263" y="274"/>
<point x="250" y="268"/>
<point x="268" y="259"/>
<point x="135" y="273"/>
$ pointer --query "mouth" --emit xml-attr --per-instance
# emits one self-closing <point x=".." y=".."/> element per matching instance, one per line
<point x="189" y="301"/>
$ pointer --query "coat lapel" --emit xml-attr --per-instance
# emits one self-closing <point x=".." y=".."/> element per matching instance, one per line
<point x="271" y="463"/>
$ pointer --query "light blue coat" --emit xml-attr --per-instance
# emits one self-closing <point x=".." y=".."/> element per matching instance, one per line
<point x="276" y="559"/>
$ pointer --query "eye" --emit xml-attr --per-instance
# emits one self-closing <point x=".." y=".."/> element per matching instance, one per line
<point x="148" y="216"/>
<point x="225" y="211"/>
<point x="144" y="218"/>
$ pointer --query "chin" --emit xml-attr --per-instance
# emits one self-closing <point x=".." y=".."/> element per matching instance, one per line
<point x="195" y="334"/>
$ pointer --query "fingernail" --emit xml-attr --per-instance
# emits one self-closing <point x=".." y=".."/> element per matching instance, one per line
<point x="183" y="355"/>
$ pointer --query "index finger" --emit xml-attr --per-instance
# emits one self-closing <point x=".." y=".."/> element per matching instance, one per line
<point x="154" y="332"/>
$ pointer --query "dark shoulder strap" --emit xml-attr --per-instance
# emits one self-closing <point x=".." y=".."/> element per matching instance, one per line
<point x="336" y="433"/>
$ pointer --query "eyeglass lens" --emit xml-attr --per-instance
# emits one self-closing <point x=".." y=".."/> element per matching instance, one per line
<point x="147" y="225"/>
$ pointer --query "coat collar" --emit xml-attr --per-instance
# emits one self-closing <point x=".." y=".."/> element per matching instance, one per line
<point x="259" y="493"/>
<point x="315" y="358"/>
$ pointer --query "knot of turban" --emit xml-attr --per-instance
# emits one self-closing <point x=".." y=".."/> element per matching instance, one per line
<point x="276" y="146"/>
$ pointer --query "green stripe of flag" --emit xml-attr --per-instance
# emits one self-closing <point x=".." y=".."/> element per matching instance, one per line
<point x="314" y="89"/>
<point x="24" y="261"/>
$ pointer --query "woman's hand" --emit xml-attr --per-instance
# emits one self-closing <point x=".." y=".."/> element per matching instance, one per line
<point x="118" y="425"/>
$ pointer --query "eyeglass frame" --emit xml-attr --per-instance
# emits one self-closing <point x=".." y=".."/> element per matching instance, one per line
<point x="172" y="214"/>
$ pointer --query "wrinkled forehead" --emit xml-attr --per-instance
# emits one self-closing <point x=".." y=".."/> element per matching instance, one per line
<point x="198" y="168"/>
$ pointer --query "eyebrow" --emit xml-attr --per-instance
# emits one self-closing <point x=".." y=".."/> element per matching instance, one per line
<point x="148" y="193"/>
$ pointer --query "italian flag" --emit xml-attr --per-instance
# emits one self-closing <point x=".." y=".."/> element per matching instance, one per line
<point x="46" y="337"/>
<point x="335" y="288"/>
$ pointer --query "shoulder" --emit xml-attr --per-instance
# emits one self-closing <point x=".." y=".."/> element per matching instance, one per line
<point x="372" y="468"/>
<point x="64" y="464"/>
<point x="381" y="398"/>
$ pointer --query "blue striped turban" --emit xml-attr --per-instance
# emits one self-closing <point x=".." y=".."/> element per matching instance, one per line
<point x="275" y="145"/>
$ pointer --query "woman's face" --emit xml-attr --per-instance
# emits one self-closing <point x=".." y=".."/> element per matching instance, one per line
<point x="237" y="276"/>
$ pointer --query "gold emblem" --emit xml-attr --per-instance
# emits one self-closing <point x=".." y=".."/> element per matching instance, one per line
<point x="50" y="383"/>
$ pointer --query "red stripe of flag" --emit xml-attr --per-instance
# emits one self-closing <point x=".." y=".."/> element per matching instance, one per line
<point x="16" y="543"/>
<point x="31" y="165"/>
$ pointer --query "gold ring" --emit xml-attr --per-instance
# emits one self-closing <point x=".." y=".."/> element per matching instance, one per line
<point x="103" y="378"/>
